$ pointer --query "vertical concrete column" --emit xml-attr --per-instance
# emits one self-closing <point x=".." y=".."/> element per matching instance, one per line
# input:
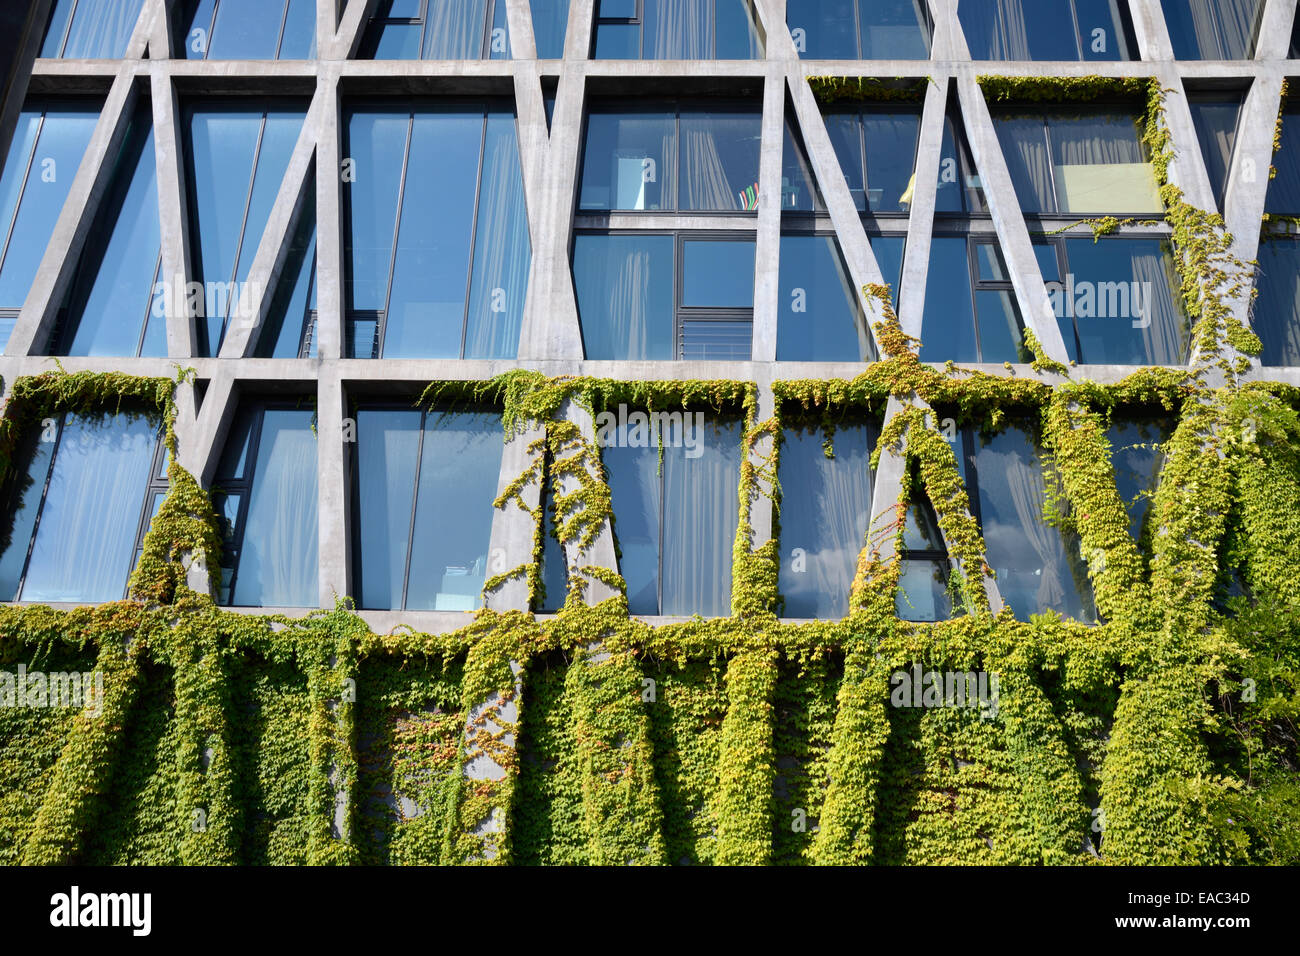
<point x="513" y="528"/>
<point x="58" y="266"/>
<point x="767" y="253"/>
<point x="158" y="14"/>
<point x="920" y="220"/>
<point x="173" y="218"/>
<point x="577" y="35"/>
<point x="1013" y="236"/>
<point x="777" y="43"/>
<point x="334" y="546"/>
<point x="329" y="217"/>
<point x="949" y="43"/>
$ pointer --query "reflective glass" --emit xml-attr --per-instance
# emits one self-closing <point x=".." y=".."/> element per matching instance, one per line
<point x="948" y="322"/>
<point x="98" y="29"/>
<point x="1213" y="29"/>
<point x="286" y="323"/>
<point x="718" y="273"/>
<point x="629" y="162"/>
<point x="388" y="444"/>
<point x="550" y="21"/>
<point x="1284" y="188"/>
<point x="1216" y="130"/>
<point x="1276" y="317"/>
<point x="923" y="591"/>
<point x="1137" y="458"/>
<point x="821" y="317"/>
<point x="624" y="287"/>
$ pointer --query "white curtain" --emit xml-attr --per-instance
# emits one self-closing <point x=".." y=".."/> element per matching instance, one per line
<point x="101" y="28"/>
<point x="454" y="29"/>
<point x="1025" y="146"/>
<point x="704" y="179"/>
<point x="1225" y="29"/>
<point x="502" y="251"/>
<point x="1002" y="36"/>
<point x="628" y="306"/>
<point x="1165" y="336"/>
<point x="677" y="30"/>
<point x="700" y="522"/>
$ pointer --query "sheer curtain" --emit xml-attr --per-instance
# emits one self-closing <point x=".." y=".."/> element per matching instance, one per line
<point x="86" y="536"/>
<point x="1166" y="335"/>
<point x="1225" y="29"/>
<point x="277" y="566"/>
<point x="995" y="29"/>
<point x="704" y="178"/>
<point x="699" y="526"/>
<point x="1095" y="140"/>
<point x="502" y="252"/>
<point x="677" y="30"/>
<point x="1025" y="146"/>
<point x="628" y="307"/>
<point x="101" y="28"/>
<point x="454" y="29"/>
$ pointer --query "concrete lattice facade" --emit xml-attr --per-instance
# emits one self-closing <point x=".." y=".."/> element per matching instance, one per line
<point x="550" y="153"/>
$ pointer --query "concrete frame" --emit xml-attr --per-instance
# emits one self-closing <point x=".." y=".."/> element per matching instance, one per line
<point x="551" y="339"/>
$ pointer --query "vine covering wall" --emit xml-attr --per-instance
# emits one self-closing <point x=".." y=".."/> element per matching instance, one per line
<point x="1164" y="734"/>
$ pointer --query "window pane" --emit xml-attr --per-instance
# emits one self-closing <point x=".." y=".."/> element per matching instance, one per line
<point x="717" y="341"/>
<point x="1024" y="146"/>
<point x="426" y="309"/>
<point x="920" y="528"/>
<point x="1284" y="188"/>
<point x="22" y="501"/>
<point x="1041" y="29"/>
<point x="624" y="286"/>
<point x="454" y="29"/>
<point x="824" y="29"/>
<point x="99" y="28"/>
<point x="631" y="462"/>
<point x="1212" y="29"/>
<point x="376" y="143"/>
<point x="888" y="251"/>
<point x="1276" y="318"/>
<point x="1100" y="34"/>
<point x="277" y="564"/>
<point x="893" y="30"/>
<point x="629" y="162"/>
<point x="114" y="288"/>
<point x="825" y="513"/>
<point x="299" y="40"/>
<point x="286" y="322"/>
<point x="676" y="30"/>
<point x="618" y="41"/>
<point x="616" y="9"/>
<point x="701" y="481"/>
<point x="798" y="183"/>
<point x="1121" y="295"/>
<point x="502" y="253"/>
<point x="459" y="470"/>
<point x="54" y="161"/>
<point x="718" y="273"/>
<point x="13" y="175"/>
<point x="1135" y="452"/>
<point x="1216" y="130"/>
<point x="999" y="327"/>
<point x="387" y="445"/>
<point x="948" y="323"/>
<point x="719" y="160"/>
<point x="1035" y="572"/>
<point x="845" y="131"/>
<point x="992" y="267"/>
<point x="891" y="159"/>
<point x="246" y="30"/>
<point x="737" y="31"/>
<point x="550" y="22"/>
<point x="85" y="540"/>
<point x="1099" y="165"/>
<point x="1048" y="265"/>
<point x="923" y="591"/>
<point x="821" y="317"/>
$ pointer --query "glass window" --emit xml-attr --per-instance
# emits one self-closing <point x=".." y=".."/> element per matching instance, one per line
<point x="116" y="304"/>
<point x="1038" y="566"/>
<point x="876" y="148"/>
<point x="1216" y="130"/>
<point x="554" y="571"/>
<point x="1138" y="456"/>
<point x="76" y="509"/>
<point x="825" y="514"/>
<point x="1276" y="317"/>
<point x="437" y="30"/>
<point x="675" y="525"/>
<point x="425" y="485"/>
<point x="924" y="585"/>
<point x="677" y="30"/>
<point x="237" y="159"/>
<point x="1078" y="163"/>
<point x="246" y="29"/>
<point x="1284" y="188"/>
<point x="1117" y="304"/>
<point x="290" y="325"/>
<point x="1213" y="29"/>
<point x="550" y="23"/>
<point x="437" y="246"/>
<point x="635" y="160"/>
<point x="265" y="491"/>
<point x="49" y="142"/>
<point x="1044" y="29"/>
<point x="799" y="192"/>
<point x="960" y="189"/>
<point x="649" y="296"/>
<point x="970" y="307"/>
<point x="90" y="29"/>
<point x="859" y="29"/>
<point x="821" y="317"/>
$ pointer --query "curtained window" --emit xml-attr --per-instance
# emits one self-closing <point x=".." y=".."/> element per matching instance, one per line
<point x="1078" y="163"/>
<point x="90" y="29"/>
<point x="876" y="148"/>
<point x="1116" y="300"/>
<point x="437" y="248"/>
<point x="1038" y="567"/>
<point x="677" y="30"/>
<point x="1276" y="317"/>
<point x="859" y="29"/>
<point x="245" y="29"/>
<point x="675" y="525"/>
<point x="1044" y="29"/>
<point x="970" y="308"/>
<point x="825" y="514"/>
<point x="116" y="302"/>
<point x="49" y="141"/>
<point x="924" y="584"/>
<point x="1216" y="130"/>
<point x="425" y="481"/>
<point x="76" y="510"/>
<point x="1213" y="29"/>
<point x="237" y="158"/>
<point x="265" y="493"/>
<point x="437" y="30"/>
<point x="690" y="158"/>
